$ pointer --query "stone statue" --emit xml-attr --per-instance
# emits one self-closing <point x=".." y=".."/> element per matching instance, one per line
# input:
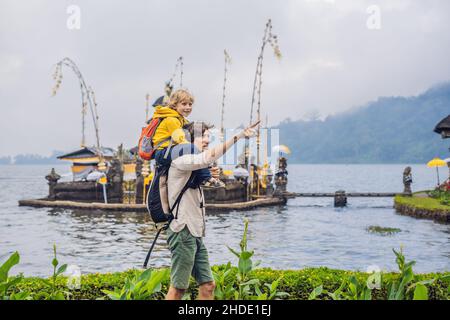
<point x="340" y="199"/>
<point x="281" y="174"/>
<point x="52" y="179"/>
<point x="139" y="181"/>
<point x="115" y="177"/>
<point x="407" y="180"/>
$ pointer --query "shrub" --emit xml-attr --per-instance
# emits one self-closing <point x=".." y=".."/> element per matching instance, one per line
<point x="298" y="283"/>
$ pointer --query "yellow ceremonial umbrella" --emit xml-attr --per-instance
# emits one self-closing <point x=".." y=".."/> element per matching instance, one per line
<point x="228" y="172"/>
<point x="436" y="163"/>
<point x="281" y="149"/>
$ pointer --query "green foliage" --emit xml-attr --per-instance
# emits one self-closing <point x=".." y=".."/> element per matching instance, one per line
<point x="7" y="282"/>
<point x="241" y="282"/>
<point x="403" y="287"/>
<point x="224" y="280"/>
<point x="351" y="288"/>
<point x="248" y="286"/>
<point x="383" y="230"/>
<point x="445" y="198"/>
<point x="54" y="292"/>
<point x="430" y="204"/>
<point x="442" y="196"/>
<point x="140" y="286"/>
<point x="298" y="283"/>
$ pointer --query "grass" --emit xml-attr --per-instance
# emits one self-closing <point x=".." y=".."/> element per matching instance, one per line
<point x="422" y="203"/>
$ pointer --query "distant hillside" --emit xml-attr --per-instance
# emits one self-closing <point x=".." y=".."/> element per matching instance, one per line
<point x="389" y="130"/>
<point x="23" y="159"/>
<point x="5" y="160"/>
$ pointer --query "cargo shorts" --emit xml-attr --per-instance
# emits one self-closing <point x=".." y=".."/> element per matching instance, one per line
<point x="188" y="257"/>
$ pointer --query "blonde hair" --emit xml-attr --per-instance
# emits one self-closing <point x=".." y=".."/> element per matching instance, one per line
<point x="178" y="96"/>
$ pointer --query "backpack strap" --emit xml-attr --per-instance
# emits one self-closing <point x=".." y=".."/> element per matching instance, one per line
<point x="160" y="144"/>
<point x="180" y="195"/>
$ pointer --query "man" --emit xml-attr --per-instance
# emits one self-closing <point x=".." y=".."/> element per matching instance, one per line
<point x="185" y="233"/>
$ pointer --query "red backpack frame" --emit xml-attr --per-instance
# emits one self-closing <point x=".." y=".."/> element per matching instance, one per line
<point x="145" y="145"/>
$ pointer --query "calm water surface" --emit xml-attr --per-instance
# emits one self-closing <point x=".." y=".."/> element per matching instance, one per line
<point x="303" y="233"/>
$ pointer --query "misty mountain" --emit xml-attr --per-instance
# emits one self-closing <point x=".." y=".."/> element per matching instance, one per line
<point x="5" y="160"/>
<point x="22" y="159"/>
<point x="389" y="130"/>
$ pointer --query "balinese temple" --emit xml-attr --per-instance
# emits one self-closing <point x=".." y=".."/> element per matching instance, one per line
<point x="86" y="160"/>
<point x="443" y="128"/>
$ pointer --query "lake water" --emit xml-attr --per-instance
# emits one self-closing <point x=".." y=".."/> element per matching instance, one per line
<point x="304" y="233"/>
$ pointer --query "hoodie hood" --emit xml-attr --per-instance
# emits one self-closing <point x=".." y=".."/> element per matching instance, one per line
<point x="166" y="112"/>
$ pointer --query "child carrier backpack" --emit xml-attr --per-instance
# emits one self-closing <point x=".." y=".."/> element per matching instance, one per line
<point x="157" y="202"/>
<point x="146" y="149"/>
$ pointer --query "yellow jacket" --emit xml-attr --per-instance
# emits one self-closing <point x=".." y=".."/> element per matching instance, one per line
<point x="170" y="126"/>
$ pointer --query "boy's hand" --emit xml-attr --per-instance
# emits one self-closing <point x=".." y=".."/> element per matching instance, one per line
<point x="215" y="172"/>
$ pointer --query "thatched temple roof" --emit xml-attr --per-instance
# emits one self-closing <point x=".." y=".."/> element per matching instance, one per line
<point x="443" y="128"/>
<point x="87" y="155"/>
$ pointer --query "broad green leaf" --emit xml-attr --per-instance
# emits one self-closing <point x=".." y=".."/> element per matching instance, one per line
<point x="282" y="294"/>
<point x="421" y="292"/>
<point x="10" y="283"/>
<point x="250" y="282"/>
<point x="367" y="294"/>
<point x="186" y="296"/>
<point x="258" y="290"/>
<point x="246" y="254"/>
<point x="425" y="282"/>
<point x="61" y="269"/>
<point x="145" y="275"/>
<point x="245" y="265"/>
<point x="315" y="293"/>
<point x="234" y="252"/>
<point x="334" y="295"/>
<point x="46" y="282"/>
<point x="154" y="284"/>
<point x="262" y="297"/>
<point x="20" y="296"/>
<point x="392" y="291"/>
<point x="4" y="269"/>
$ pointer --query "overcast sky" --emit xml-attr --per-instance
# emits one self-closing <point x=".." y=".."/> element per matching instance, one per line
<point x="331" y="61"/>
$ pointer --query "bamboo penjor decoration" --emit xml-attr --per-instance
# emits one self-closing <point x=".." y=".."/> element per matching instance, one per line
<point x="222" y="117"/>
<point x="272" y="39"/>
<point x="179" y="64"/>
<point x="169" y="86"/>
<point x="87" y="99"/>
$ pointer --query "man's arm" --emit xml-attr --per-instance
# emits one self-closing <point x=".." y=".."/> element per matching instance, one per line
<point x="202" y="160"/>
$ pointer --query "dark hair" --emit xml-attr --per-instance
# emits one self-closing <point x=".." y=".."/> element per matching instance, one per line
<point x="194" y="129"/>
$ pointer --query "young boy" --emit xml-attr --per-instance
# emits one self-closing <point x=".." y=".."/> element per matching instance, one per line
<point x="169" y="133"/>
